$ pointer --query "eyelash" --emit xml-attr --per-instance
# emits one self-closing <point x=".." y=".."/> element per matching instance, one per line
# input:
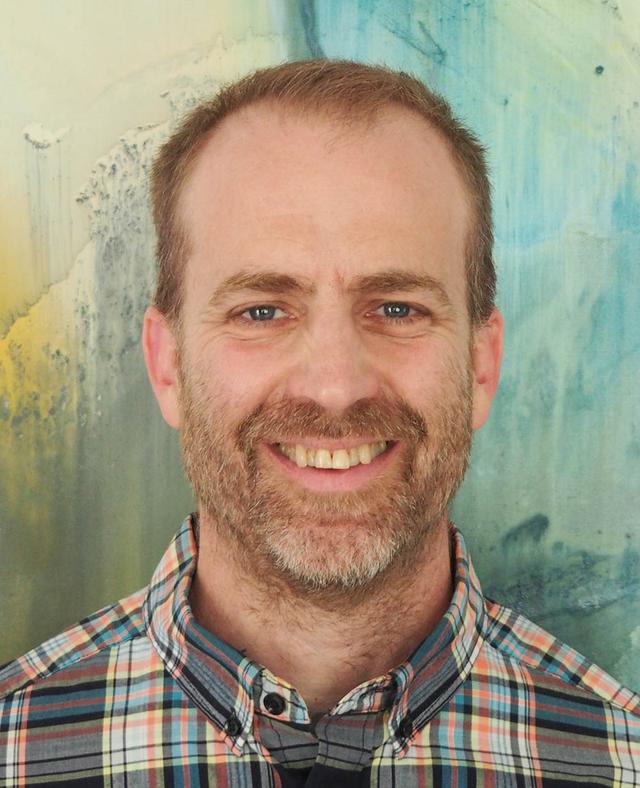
<point x="239" y="317"/>
<point x="418" y="314"/>
<point x="409" y="320"/>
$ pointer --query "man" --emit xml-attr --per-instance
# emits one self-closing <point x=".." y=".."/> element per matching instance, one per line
<point x="325" y="338"/>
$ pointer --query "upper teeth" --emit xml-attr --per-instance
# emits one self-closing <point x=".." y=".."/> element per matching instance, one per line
<point x="341" y="458"/>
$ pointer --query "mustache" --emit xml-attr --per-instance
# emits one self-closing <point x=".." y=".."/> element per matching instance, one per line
<point x="378" y="419"/>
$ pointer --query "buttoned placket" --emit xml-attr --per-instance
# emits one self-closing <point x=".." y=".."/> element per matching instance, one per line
<point x="345" y="737"/>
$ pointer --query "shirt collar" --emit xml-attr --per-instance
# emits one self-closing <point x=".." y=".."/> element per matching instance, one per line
<point x="214" y="675"/>
<point x="444" y="659"/>
<point x="222" y="682"/>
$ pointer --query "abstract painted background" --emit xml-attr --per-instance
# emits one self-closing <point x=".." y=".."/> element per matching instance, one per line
<point x="91" y="489"/>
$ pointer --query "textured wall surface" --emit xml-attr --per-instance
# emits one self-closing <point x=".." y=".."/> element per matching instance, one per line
<point x="90" y="484"/>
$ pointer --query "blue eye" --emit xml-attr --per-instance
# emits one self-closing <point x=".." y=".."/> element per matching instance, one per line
<point x="393" y="309"/>
<point x="262" y="313"/>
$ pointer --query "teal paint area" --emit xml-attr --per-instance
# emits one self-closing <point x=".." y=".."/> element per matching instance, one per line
<point x="550" y="504"/>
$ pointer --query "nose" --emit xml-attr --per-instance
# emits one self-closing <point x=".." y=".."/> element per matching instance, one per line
<point x="333" y="367"/>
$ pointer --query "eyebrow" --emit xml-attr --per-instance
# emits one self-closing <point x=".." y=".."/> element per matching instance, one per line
<point x="262" y="282"/>
<point x="383" y="281"/>
<point x="397" y="279"/>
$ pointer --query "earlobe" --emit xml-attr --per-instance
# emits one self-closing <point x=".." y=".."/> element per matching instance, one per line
<point x="159" y="347"/>
<point x="487" y="358"/>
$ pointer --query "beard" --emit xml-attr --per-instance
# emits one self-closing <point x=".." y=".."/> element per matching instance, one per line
<point x="318" y="544"/>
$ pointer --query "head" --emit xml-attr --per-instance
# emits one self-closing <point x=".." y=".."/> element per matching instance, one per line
<point x="325" y="292"/>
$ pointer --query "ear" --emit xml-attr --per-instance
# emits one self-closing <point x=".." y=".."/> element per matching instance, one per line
<point x="486" y="357"/>
<point x="159" y="347"/>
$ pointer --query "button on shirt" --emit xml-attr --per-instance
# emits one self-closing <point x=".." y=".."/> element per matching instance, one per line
<point x="140" y="694"/>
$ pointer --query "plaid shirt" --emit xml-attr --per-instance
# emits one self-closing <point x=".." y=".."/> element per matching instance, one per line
<point x="139" y="694"/>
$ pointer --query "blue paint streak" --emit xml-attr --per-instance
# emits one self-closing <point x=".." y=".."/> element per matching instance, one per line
<point x="308" y="16"/>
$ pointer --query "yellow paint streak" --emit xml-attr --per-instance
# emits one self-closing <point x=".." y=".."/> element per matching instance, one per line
<point x="38" y="396"/>
<point x="16" y="276"/>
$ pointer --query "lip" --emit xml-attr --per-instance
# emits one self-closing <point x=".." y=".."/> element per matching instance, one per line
<point x="329" y="480"/>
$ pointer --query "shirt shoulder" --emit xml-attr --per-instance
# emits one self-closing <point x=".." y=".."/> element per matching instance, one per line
<point x="520" y="641"/>
<point x="95" y="635"/>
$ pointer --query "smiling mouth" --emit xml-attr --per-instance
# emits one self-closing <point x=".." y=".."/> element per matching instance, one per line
<point x="337" y="459"/>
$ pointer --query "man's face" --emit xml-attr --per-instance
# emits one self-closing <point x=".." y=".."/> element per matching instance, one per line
<point x="325" y="322"/>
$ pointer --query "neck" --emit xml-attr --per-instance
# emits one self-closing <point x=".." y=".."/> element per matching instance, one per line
<point x="327" y="646"/>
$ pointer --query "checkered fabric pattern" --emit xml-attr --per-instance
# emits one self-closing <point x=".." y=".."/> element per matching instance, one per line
<point x="139" y="694"/>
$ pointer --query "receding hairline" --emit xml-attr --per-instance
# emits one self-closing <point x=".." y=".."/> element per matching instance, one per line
<point x="346" y="118"/>
<point x="345" y="122"/>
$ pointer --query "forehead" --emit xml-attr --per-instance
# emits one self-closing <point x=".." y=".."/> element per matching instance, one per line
<point x="276" y="187"/>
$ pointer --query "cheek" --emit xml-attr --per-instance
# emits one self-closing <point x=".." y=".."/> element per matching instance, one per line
<point x="243" y="374"/>
<point x="418" y="373"/>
